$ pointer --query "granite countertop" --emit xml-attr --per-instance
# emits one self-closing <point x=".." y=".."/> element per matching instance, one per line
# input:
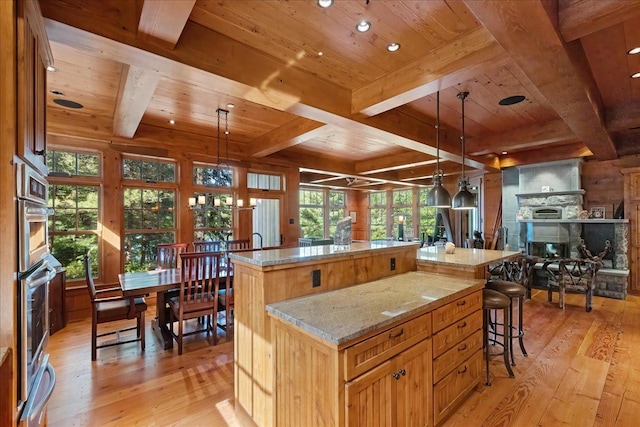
<point x="463" y="256"/>
<point x="264" y="258"/>
<point x="342" y="315"/>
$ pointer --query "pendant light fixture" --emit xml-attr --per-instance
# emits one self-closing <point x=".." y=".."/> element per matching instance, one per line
<point x="463" y="199"/>
<point x="438" y="196"/>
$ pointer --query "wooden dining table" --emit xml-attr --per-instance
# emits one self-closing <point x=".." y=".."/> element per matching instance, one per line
<point x="141" y="283"/>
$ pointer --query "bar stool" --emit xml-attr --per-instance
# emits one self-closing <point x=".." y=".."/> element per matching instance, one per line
<point x="494" y="300"/>
<point x="514" y="291"/>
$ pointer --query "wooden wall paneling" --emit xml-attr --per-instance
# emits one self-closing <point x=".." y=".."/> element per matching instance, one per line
<point x="491" y="201"/>
<point x="632" y="213"/>
<point x="603" y="183"/>
<point x="291" y="218"/>
<point x="112" y="260"/>
<point x="8" y="232"/>
<point x="184" y="215"/>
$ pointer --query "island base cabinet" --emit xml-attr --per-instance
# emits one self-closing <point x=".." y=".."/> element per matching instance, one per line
<point x="395" y="393"/>
<point x="451" y="390"/>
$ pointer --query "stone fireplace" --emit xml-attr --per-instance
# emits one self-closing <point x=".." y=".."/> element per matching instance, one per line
<point x="547" y="219"/>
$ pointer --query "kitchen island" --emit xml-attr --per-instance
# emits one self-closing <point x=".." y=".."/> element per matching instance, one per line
<point x="403" y="350"/>
<point x="269" y="276"/>
<point x="464" y="262"/>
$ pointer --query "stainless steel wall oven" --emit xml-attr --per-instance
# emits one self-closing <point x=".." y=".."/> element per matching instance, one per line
<point x="36" y="267"/>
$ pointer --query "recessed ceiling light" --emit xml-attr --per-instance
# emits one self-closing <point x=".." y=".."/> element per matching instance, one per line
<point x="504" y="152"/>
<point x="320" y="53"/>
<point x="57" y="92"/>
<point x="51" y="68"/>
<point x="172" y="122"/>
<point x="67" y="103"/>
<point x="325" y="3"/>
<point x="634" y="51"/>
<point x="363" y="26"/>
<point x="635" y="75"/>
<point x="230" y="105"/>
<point x="510" y="100"/>
<point x="393" y="47"/>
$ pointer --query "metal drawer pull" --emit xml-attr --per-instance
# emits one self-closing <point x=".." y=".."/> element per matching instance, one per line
<point x="464" y="325"/>
<point x="463" y="302"/>
<point x="391" y="335"/>
<point x="464" y="370"/>
<point x="463" y="347"/>
<point x="396" y="375"/>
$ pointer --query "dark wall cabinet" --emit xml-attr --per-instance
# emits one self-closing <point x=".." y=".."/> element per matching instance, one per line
<point x="57" y="302"/>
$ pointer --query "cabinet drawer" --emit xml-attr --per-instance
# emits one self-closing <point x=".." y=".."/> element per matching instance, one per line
<point x="375" y="350"/>
<point x="456" y="310"/>
<point x="445" y="339"/>
<point x="455" y="386"/>
<point x="455" y="355"/>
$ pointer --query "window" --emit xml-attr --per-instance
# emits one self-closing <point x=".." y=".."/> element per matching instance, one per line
<point x="337" y="206"/>
<point x="263" y="181"/>
<point x="427" y="224"/>
<point x="74" y="225"/>
<point x="149" y="211"/>
<point x="378" y="215"/>
<point x="312" y="213"/>
<point x="210" y="222"/>
<point x="148" y="171"/>
<point x="403" y="205"/>
<point x="209" y="176"/>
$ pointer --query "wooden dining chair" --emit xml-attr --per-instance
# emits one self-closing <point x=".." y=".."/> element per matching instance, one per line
<point x="573" y="275"/>
<point x="237" y="244"/>
<point x="198" y="296"/>
<point x="111" y="308"/>
<point x="207" y="246"/>
<point x="169" y="254"/>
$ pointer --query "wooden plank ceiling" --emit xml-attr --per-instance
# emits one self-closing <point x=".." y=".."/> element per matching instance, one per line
<point x="308" y="89"/>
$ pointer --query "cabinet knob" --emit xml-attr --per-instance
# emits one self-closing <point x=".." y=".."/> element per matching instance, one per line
<point x="463" y="302"/>
<point x="402" y="372"/>
<point x="396" y="375"/>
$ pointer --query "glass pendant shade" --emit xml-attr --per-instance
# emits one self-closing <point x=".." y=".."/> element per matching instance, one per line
<point x="438" y="196"/>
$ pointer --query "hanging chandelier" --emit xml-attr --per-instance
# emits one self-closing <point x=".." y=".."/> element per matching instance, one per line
<point x="438" y="196"/>
<point x="223" y="173"/>
<point x="463" y="199"/>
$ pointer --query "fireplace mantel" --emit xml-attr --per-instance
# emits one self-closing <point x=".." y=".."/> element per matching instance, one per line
<point x="551" y="193"/>
<point x="576" y="221"/>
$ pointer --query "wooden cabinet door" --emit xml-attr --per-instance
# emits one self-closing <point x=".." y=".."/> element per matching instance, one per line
<point x="32" y="82"/>
<point x="369" y="398"/>
<point x="414" y="387"/>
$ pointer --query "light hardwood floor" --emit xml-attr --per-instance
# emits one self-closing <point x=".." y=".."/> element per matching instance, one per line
<point x="583" y="369"/>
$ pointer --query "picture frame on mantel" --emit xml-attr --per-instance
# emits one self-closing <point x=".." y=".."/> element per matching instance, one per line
<point x="597" y="212"/>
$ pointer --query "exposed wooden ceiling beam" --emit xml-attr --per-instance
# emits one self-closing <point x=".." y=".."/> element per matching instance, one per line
<point x="525" y="31"/>
<point x="540" y="156"/>
<point x="577" y="19"/>
<point x="623" y="118"/>
<point x="521" y="138"/>
<point x="288" y="135"/>
<point x="444" y="67"/>
<point x="137" y="86"/>
<point x="398" y="161"/>
<point x="162" y="21"/>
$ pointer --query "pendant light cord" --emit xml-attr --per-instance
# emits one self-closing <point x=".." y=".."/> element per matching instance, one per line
<point x="438" y="133"/>
<point x="462" y="96"/>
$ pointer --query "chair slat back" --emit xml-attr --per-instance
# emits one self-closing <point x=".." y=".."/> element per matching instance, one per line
<point x="169" y="254"/>
<point x="212" y="246"/>
<point x="578" y="273"/>
<point x="237" y="244"/>
<point x="200" y="277"/>
<point x="91" y="287"/>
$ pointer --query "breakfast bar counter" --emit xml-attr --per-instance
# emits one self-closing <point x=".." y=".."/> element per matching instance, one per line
<point x="269" y="276"/>
<point x="464" y="262"/>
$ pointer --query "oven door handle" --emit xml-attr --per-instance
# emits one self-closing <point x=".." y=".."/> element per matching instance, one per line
<point x="34" y="283"/>
<point x="33" y="409"/>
